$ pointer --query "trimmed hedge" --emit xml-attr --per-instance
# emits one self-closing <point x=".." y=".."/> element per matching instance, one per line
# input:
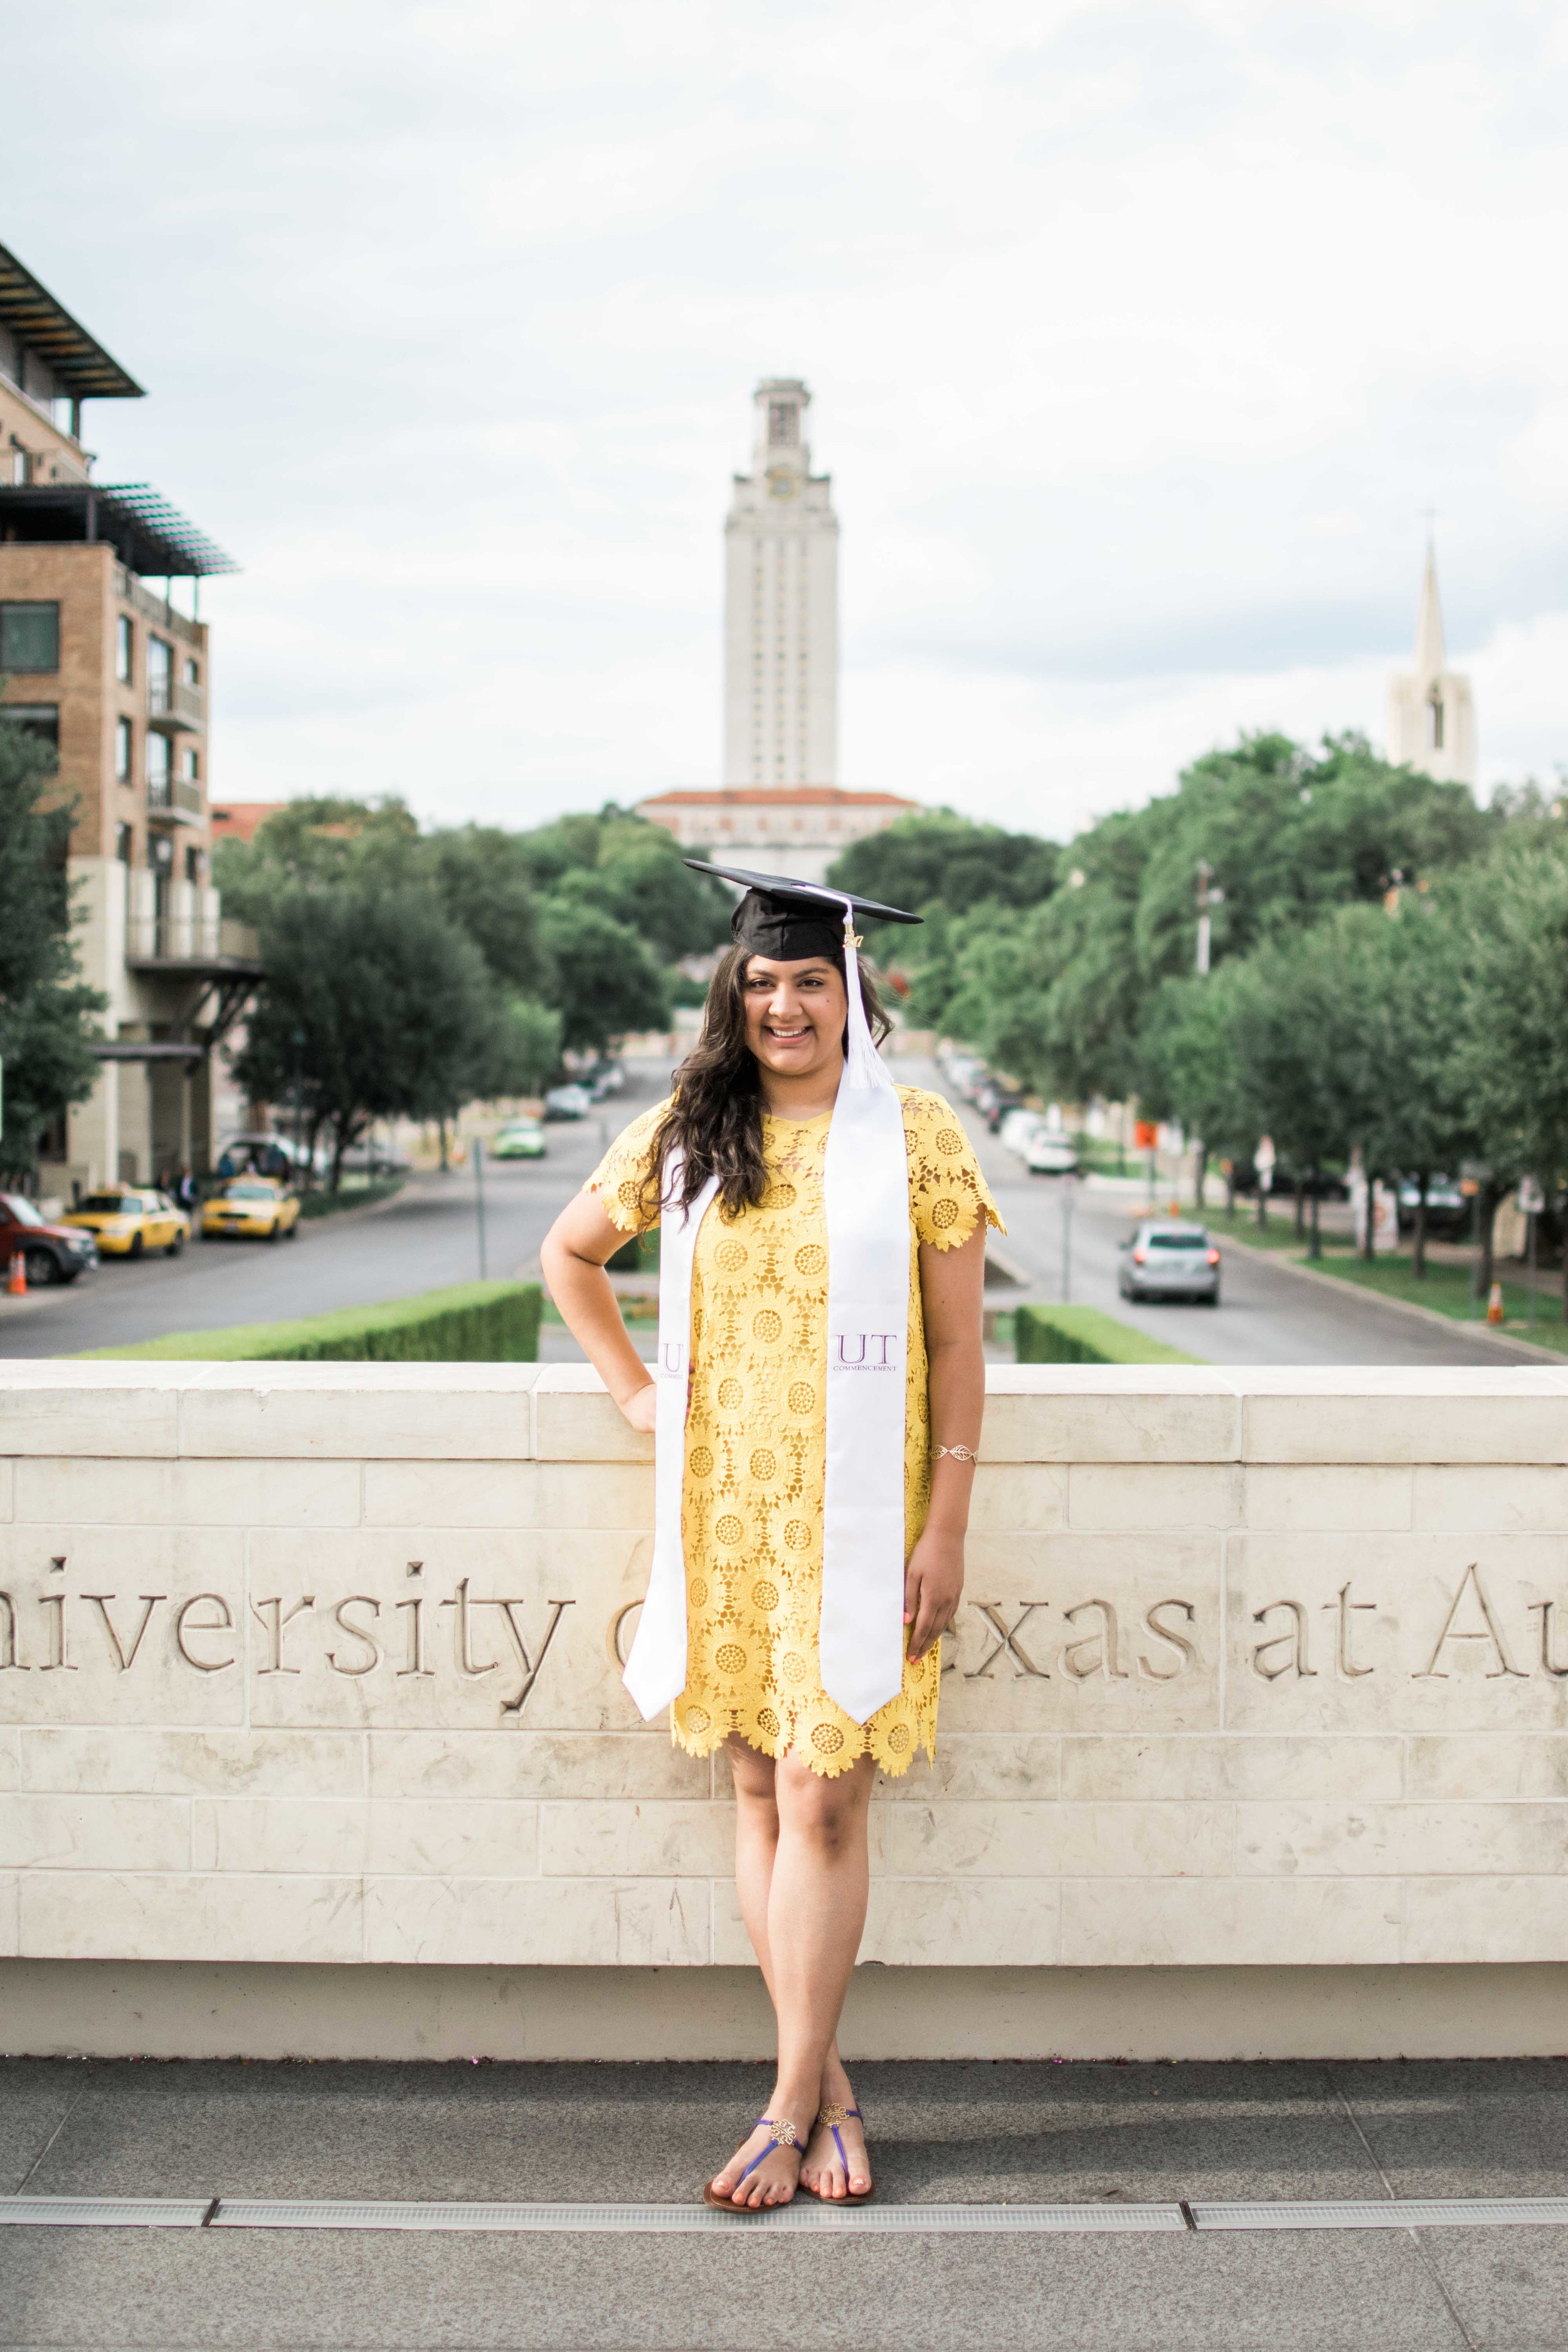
<point x="1082" y="1335"/>
<point x="478" y="1323"/>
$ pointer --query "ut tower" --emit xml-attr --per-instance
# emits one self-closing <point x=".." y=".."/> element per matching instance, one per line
<point x="781" y="605"/>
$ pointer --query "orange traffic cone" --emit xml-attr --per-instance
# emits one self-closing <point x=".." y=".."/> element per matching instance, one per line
<point x="1494" y="1304"/>
<point x="17" y="1280"/>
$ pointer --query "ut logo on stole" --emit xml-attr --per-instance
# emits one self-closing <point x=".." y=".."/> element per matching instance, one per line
<point x="672" y="1359"/>
<point x="863" y="1352"/>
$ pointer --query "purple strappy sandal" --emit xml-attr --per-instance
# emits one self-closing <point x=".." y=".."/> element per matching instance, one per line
<point x="784" y="2135"/>
<point x="833" y="2116"/>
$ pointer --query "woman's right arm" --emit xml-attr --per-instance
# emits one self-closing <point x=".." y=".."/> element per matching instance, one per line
<point x="572" y="1259"/>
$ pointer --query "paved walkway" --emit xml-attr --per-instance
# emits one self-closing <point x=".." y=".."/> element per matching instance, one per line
<point x="969" y="2134"/>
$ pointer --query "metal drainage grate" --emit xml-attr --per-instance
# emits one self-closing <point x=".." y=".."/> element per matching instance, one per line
<point x="1389" y="2213"/>
<point x="280" y="2213"/>
<point x="108" y="2213"/>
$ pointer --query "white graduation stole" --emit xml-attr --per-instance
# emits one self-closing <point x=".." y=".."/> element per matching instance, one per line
<point x="866" y="1189"/>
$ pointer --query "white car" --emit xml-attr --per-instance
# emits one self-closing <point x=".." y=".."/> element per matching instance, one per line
<point x="1019" y="1128"/>
<point x="1050" y="1155"/>
<point x="568" y="1102"/>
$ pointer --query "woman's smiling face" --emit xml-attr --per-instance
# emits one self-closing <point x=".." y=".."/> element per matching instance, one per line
<point x="796" y="1014"/>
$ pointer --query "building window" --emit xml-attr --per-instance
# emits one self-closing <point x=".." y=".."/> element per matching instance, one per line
<point x="124" y="648"/>
<point x="160" y="677"/>
<point x="193" y="865"/>
<point x="784" y="423"/>
<point x="1434" y="723"/>
<point x="29" y="638"/>
<point x="122" y="751"/>
<point x="158" y="771"/>
<point x="124" y="843"/>
<point x="191" y="765"/>
<point x="39" y="718"/>
<point x="193" y="672"/>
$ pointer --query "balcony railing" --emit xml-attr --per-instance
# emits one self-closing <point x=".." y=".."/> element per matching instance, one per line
<point x="140" y="599"/>
<point x="173" y="707"/>
<point x="175" y="938"/>
<point x="176" y="797"/>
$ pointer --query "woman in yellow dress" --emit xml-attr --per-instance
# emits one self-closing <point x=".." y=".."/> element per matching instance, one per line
<point x="750" y="1118"/>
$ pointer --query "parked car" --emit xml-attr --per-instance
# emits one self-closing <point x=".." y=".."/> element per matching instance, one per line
<point x="49" y="1253"/>
<point x="1285" y="1183"/>
<point x="520" y="1138"/>
<point x="1019" y="1127"/>
<point x="365" y="1160"/>
<point x="256" y="1207"/>
<point x="1164" y="1260"/>
<point x="568" y="1102"/>
<point x="1447" y="1209"/>
<point x="1050" y="1155"/>
<point x="126" y="1223"/>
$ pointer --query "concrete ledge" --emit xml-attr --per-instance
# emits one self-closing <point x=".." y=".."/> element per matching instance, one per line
<point x="184" y="2009"/>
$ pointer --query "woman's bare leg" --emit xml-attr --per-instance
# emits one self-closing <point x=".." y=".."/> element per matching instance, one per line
<point x="801" y="1872"/>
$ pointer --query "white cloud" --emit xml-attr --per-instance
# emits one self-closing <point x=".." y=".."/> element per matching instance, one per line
<point x="1143" y="332"/>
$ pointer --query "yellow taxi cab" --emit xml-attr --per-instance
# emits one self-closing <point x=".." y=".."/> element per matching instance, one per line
<point x="127" y="1223"/>
<point x="258" y="1205"/>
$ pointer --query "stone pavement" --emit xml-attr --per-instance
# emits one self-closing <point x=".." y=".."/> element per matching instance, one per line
<point x="942" y="2133"/>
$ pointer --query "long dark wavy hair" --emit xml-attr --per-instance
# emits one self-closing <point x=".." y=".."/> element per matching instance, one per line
<point x="715" y="1116"/>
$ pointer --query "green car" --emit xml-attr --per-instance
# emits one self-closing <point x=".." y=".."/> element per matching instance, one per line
<point x="520" y="1139"/>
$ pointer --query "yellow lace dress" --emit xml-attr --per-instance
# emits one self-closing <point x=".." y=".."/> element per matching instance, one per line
<point x="756" y="1438"/>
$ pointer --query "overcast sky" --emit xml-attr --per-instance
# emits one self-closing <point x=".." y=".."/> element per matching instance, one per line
<point x="1141" y="337"/>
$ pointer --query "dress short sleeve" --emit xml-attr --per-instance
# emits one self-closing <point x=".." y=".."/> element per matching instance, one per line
<point x="947" y="1191"/>
<point x="620" y="1180"/>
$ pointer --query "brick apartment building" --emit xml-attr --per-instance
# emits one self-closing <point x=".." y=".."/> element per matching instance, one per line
<point x="96" y="660"/>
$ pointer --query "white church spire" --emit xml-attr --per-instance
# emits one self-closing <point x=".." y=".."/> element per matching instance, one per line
<point x="1429" y="654"/>
<point x="1431" y="711"/>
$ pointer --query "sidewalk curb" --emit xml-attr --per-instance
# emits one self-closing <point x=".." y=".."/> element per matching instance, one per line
<point x="1400" y="1305"/>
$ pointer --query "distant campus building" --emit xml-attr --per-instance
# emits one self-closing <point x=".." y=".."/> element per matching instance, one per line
<point x="1431" y="711"/>
<point x="99" y="664"/>
<point x="782" y="808"/>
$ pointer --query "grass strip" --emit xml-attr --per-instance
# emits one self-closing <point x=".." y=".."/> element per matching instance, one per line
<point x="352" y="1196"/>
<point x="476" y="1323"/>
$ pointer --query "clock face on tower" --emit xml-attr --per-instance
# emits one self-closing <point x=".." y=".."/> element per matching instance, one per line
<point x="781" y="483"/>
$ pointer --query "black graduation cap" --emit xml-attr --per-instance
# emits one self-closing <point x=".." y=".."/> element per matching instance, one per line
<point x="789" y="919"/>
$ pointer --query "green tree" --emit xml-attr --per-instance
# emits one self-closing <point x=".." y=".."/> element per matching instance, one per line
<point x="647" y="886"/>
<point x="484" y="879"/>
<point x="938" y="858"/>
<point x="324" y="839"/>
<point x="607" y="980"/>
<point x="46" y="1013"/>
<point x="1299" y="1018"/>
<point x="375" y="1006"/>
<point x="1513" y="1052"/>
<point x="1191" y="1071"/>
<point x="1287" y="834"/>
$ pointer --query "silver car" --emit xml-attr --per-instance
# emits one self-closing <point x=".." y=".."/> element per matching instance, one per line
<point x="1161" y="1259"/>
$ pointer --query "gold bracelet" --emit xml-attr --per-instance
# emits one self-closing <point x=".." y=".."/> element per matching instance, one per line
<point x="958" y="1453"/>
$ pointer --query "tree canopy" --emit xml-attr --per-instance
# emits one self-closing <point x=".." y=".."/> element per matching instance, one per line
<point x="46" y="1013"/>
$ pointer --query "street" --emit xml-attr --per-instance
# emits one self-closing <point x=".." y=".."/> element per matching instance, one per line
<point x="428" y="1238"/>
<point x="425" y="1239"/>
<point x="1268" y="1313"/>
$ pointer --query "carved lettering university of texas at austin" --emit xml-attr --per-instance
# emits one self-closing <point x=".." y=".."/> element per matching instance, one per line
<point x="472" y="1636"/>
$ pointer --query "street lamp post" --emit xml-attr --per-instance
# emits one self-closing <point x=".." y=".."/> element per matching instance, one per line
<point x="479" y="1202"/>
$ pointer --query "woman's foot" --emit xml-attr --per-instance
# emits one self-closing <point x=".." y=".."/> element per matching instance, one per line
<point x="835" y="2168"/>
<point x="773" y="2181"/>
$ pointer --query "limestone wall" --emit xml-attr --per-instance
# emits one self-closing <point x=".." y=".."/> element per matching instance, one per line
<point x="316" y="1665"/>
